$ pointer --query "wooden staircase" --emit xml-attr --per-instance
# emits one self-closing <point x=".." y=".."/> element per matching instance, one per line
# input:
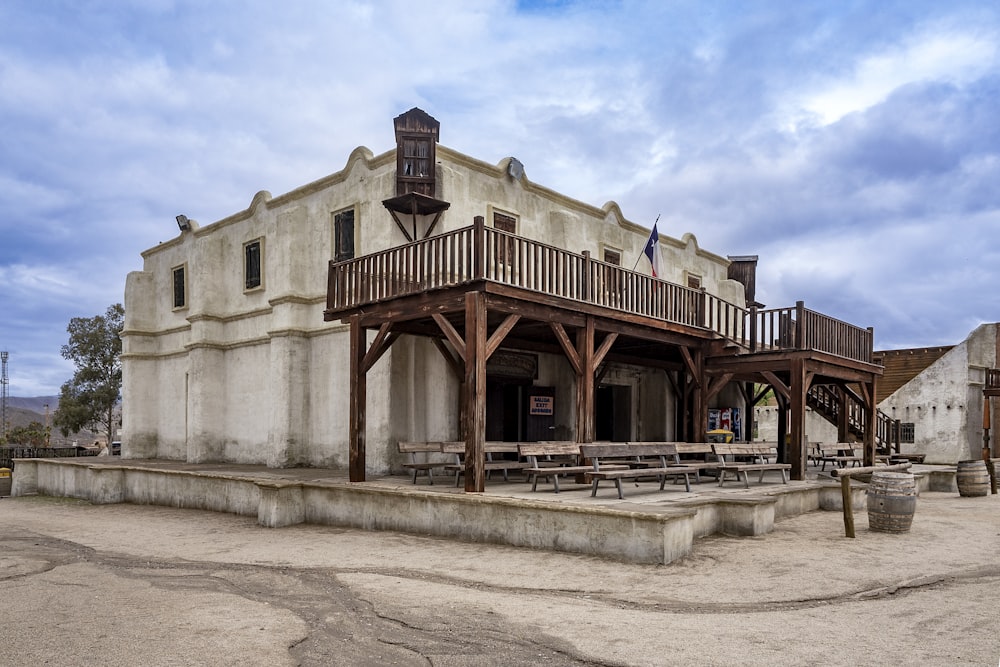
<point x="825" y="401"/>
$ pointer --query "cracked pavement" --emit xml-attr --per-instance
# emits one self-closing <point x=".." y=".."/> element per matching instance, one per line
<point x="83" y="584"/>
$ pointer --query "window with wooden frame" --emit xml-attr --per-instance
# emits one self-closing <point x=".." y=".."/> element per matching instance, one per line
<point x="343" y="235"/>
<point x="612" y="281"/>
<point x="179" y="282"/>
<point x="505" y="248"/>
<point x="253" y="257"/>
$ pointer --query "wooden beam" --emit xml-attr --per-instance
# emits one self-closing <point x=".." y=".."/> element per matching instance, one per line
<point x="409" y="239"/>
<point x="358" y="402"/>
<point x="692" y="368"/>
<point x="777" y="384"/>
<point x="796" y="447"/>
<point x="475" y="391"/>
<point x="716" y="384"/>
<point x="501" y="332"/>
<point x="454" y="364"/>
<point x="567" y="346"/>
<point x="383" y="341"/>
<point x="452" y="335"/>
<point x="585" y="383"/>
<point x="606" y="344"/>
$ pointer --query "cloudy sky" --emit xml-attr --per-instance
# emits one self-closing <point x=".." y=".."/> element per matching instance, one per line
<point x="853" y="146"/>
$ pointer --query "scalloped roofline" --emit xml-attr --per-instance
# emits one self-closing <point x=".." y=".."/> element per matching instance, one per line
<point x="363" y="154"/>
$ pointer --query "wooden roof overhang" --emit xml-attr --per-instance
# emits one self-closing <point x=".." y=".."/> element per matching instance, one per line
<point x="639" y="340"/>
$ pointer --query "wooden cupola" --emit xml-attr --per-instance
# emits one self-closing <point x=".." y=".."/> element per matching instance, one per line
<point x="416" y="174"/>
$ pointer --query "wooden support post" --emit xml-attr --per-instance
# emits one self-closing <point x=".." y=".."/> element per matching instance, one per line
<point x="356" y="463"/>
<point x="845" y="494"/>
<point x="475" y="392"/>
<point x="799" y="388"/>
<point x="585" y="383"/>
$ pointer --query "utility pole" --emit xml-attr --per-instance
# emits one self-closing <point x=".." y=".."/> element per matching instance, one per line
<point x="4" y="381"/>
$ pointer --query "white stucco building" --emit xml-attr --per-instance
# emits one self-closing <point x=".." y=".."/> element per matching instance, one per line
<point x="227" y="356"/>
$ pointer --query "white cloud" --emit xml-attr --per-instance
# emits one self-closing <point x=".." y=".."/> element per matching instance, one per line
<point x="937" y="53"/>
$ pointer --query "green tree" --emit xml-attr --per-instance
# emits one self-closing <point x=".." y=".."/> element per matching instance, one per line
<point x="88" y="400"/>
<point x="32" y="435"/>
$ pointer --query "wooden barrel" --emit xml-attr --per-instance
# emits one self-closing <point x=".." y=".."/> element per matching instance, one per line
<point x="892" y="499"/>
<point x="973" y="478"/>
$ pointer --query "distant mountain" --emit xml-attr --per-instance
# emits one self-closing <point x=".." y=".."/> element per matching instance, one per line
<point x="23" y="411"/>
<point x="35" y="404"/>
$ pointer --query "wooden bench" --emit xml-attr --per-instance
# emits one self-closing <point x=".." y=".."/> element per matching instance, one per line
<point x="698" y="455"/>
<point x="664" y="453"/>
<point x="422" y="457"/>
<point x="840" y="455"/>
<point x="741" y="459"/>
<point x="494" y="458"/>
<point x="550" y="460"/>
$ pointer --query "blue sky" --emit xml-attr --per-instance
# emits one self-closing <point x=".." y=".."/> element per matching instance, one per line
<point x="853" y="146"/>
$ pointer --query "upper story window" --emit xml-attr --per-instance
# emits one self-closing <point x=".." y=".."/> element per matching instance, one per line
<point x="343" y="235"/>
<point x="693" y="281"/>
<point x="180" y="286"/>
<point x="505" y="248"/>
<point x="613" y="256"/>
<point x="252" y="263"/>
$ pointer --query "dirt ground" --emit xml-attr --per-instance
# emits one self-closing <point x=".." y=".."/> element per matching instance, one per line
<point x="123" y="585"/>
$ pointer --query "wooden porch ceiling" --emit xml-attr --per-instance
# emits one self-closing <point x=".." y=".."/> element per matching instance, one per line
<point x="641" y="341"/>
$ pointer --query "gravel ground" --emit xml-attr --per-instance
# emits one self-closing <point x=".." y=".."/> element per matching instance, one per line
<point x="125" y="585"/>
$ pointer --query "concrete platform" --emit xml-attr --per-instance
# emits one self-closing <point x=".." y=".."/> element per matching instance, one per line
<point x="649" y="525"/>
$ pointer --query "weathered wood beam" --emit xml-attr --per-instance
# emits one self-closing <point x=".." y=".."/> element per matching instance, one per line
<point x="454" y="363"/>
<point x="383" y="341"/>
<point x="606" y="344"/>
<point x="501" y="332"/>
<point x="402" y="228"/>
<point x="449" y="331"/>
<point x="692" y="367"/>
<point x="796" y="448"/>
<point x="585" y="383"/>
<point x="475" y="391"/>
<point x="777" y="384"/>
<point x="716" y="385"/>
<point x="567" y="346"/>
<point x="358" y="402"/>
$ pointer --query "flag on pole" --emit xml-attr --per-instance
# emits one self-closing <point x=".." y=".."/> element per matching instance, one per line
<point x="652" y="251"/>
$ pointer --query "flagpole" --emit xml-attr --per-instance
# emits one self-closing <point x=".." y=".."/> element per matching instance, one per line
<point x="642" y="253"/>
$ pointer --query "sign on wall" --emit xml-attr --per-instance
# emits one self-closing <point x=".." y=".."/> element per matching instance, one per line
<point x="540" y="405"/>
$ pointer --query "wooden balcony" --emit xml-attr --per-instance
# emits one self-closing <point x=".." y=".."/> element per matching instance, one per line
<point x="992" y="386"/>
<point x="484" y="254"/>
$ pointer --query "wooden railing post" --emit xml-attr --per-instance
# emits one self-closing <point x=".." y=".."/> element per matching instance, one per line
<point x="479" y="247"/>
<point x="800" y="325"/>
<point x="588" y="265"/>
<point x="753" y="328"/>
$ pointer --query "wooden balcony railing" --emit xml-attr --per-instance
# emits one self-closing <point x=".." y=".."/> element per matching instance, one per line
<point x="993" y="378"/>
<point x="484" y="253"/>
<point x="799" y="328"/>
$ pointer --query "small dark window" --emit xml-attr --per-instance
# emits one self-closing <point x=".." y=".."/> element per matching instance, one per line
<point x="906" y="432"/>
<point x="179" y="288"/>
<point x="343" y="235"/>
<point x="613" y="257"/>
<point x="694" y="282"/>
<point x="251" y="273"/>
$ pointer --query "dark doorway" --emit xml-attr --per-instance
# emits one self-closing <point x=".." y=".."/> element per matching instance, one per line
<point x="613" y="413"/>
<point x="518" y="412"/>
